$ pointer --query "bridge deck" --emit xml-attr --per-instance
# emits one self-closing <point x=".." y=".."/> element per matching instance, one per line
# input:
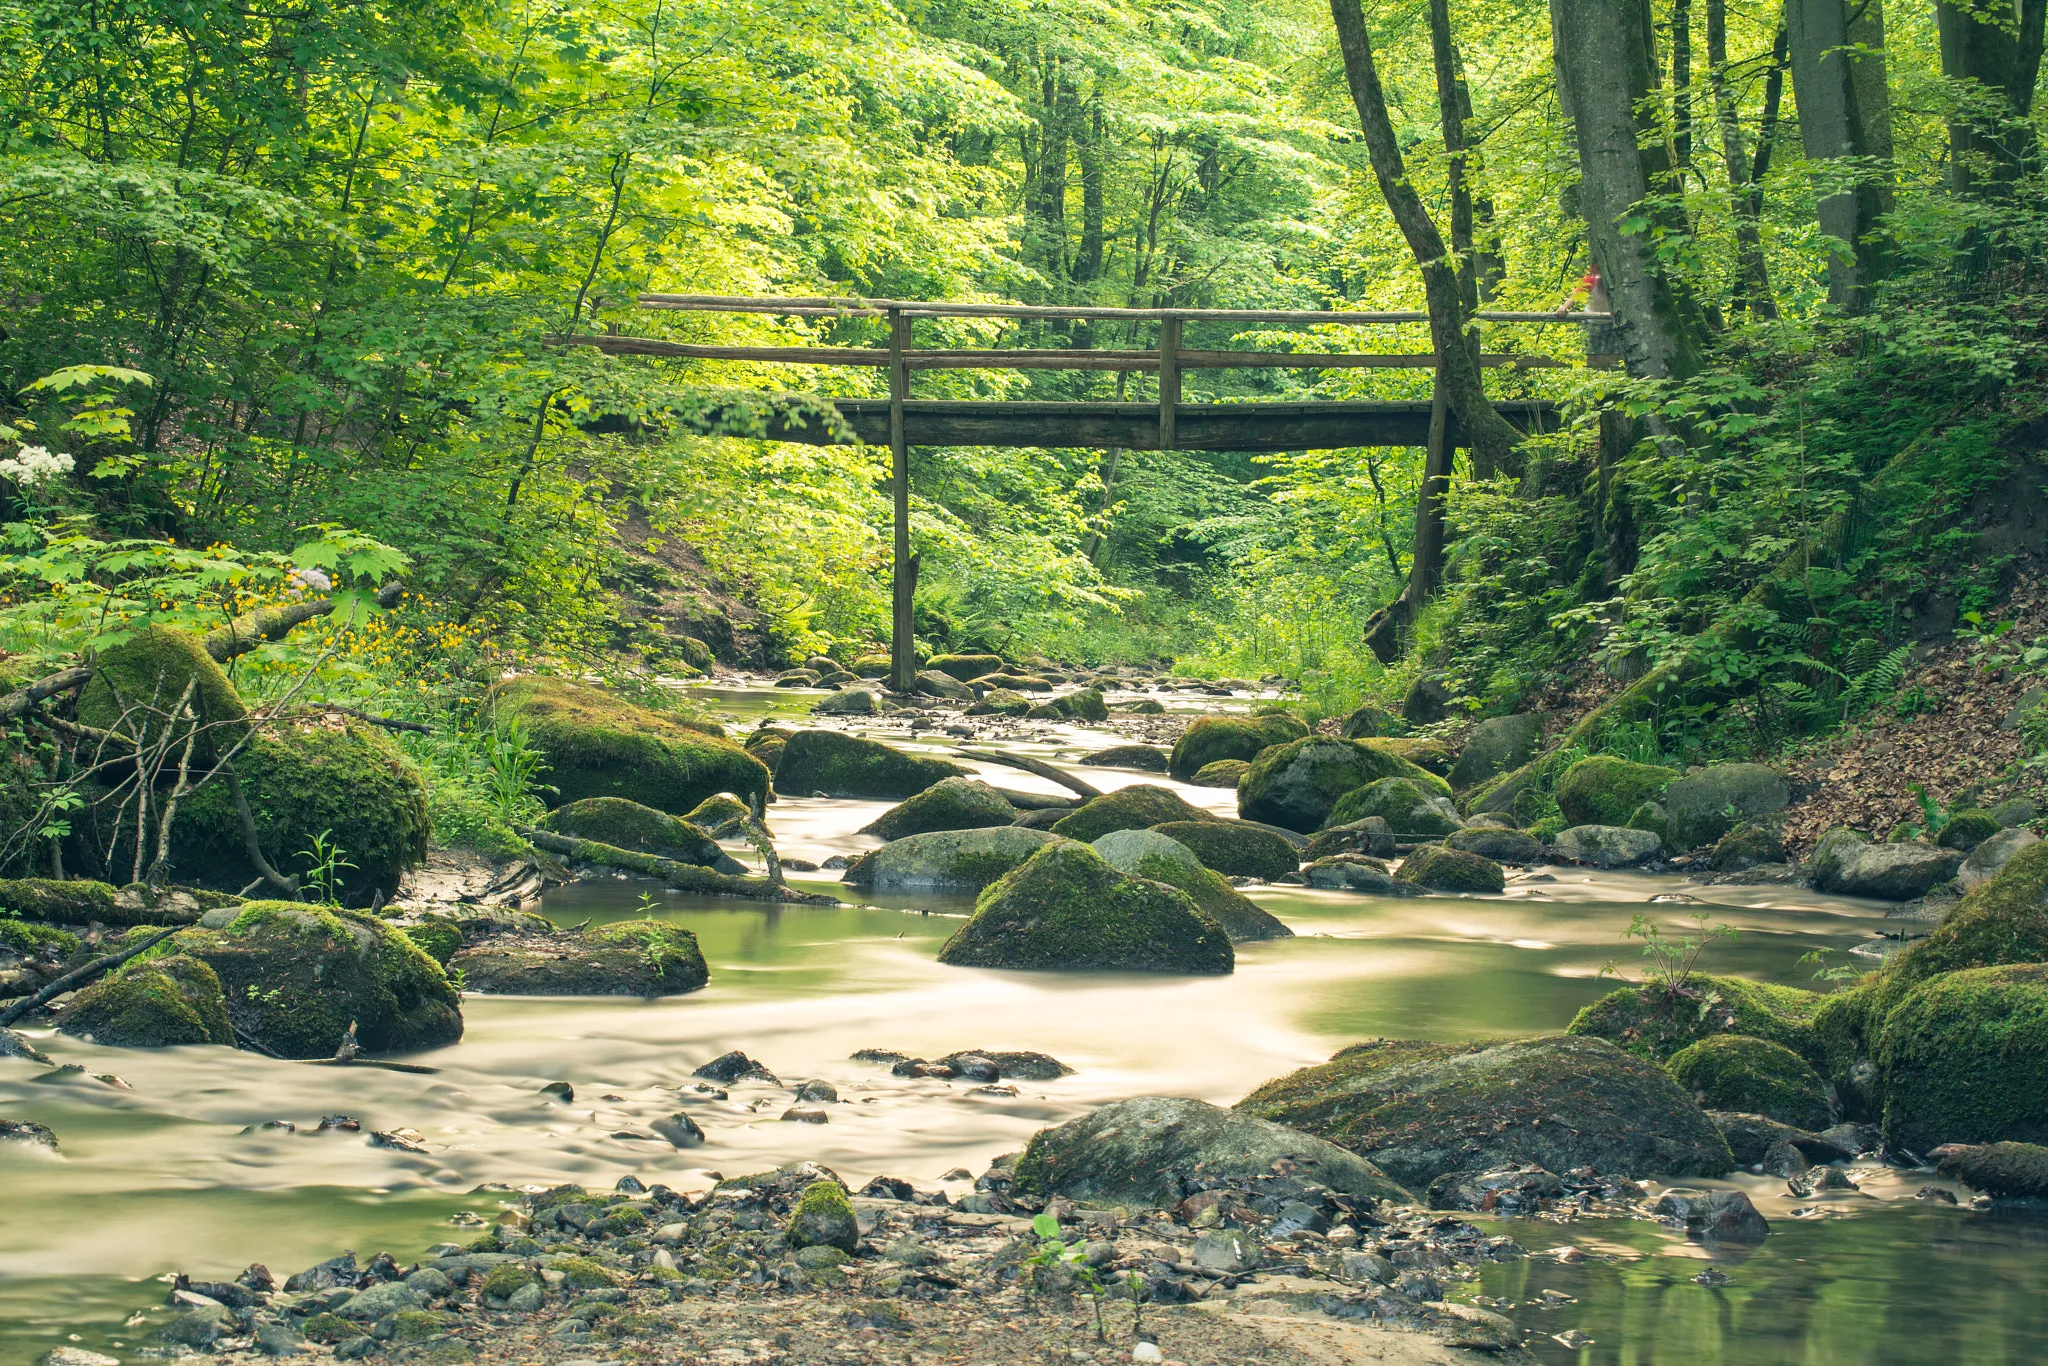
<point x="1135" y="426"/>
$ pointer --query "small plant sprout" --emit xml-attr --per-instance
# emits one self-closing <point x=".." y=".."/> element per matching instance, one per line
<point x="1055" y="1251"/>
<point x="323" y="877"/>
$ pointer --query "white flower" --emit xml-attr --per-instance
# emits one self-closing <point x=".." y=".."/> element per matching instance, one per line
<point x="312" y="578"/>
<point x="32" y="465"/>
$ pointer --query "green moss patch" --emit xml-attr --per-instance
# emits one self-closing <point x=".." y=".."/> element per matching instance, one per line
<point x="598" y="745"/>
<point x="138" y="683"/>
<point x="1213" y="738"/>
<point x="1233" y="848"/>
<point x="1451" y="870"/>
<point x="1963" y="1058"/>
<point x="949" y="804"/>
<point x="627" y="824"/>
<point x="1296" y="785"/>
<point x="1605" y="791"/>
<point x="1754" y="1077"/>
<point x="849" y="766"/>
<point x="1137" y="807"/>
<point x="156" y="1003"/>
<point x="645" y="958"/>
<point x="1654" y="1022"/>
<point x="28" y="938"/>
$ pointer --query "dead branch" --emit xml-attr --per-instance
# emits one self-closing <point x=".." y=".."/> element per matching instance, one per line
<point x="80" y="975"/>
<point x="251" y="842"/>
<point x="251" y="629"/>
<point x="22" y="698"/>
<point x="684" y="877"/>
<point x="1038" y="766"/>
<point x="388" y="723"/>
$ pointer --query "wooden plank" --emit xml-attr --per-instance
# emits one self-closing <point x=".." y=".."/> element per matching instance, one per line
<point x="723" y="303"/>
<point x="1169" y="380"/>
<point x="1142" y="361"/>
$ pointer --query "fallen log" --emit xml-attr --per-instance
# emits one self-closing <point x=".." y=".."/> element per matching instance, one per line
<point x="79" y="976"/>
<point x="1031" y="765"/>
<point x="683" y="877"/>
<point x="251" y="629"/>
<point x="81" y="903"/>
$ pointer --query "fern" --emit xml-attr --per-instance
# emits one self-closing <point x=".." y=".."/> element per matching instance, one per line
<point x="1879" y="679"/>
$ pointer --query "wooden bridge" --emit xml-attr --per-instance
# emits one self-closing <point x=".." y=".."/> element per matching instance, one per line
<point x="1168" y="423"/>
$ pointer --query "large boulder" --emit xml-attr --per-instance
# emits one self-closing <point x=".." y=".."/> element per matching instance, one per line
<point x="1213" y="738"/>
<point x="947" y="860"/>
<point x="327" y="777"/>
<point x="854" y="702"/>
<point x="1753" y="1076"/>
<point x="137" y="685"/>
<point x="2003" y="1171"/>
<point x="1963" y="1058"/>
<point x="1147" y="853"/>
<point x="1499" y="844"/>
<point x="1000" y="702"/>
<point x="625" y="958"/>
<point x="1607" y="846"/>
<point x="1367" y="720"/>
<point x="1653" y="1020"/>
<point x="1371" y="836"/>
<point x="1156" y="1150"/>
<point x="1067" y="908"/>
<point x="949" y="804"/>
<point x="1235" y="849"/>
<point x="1420" y="1109"/>
<point x="1405" y="807"/>
<point x="1294" y="786"/>
<point x="965" y="667"/>
<point x="849" y="766"/>
<point x="1845" y="863"/>
<point x="1451" y="870"/>
<point x="1496" y="746"/>
<point x="932" y="683"/>
<point x="155" y="1003"/>
<point x="598" y="745"/>
<point x="1701" y="807"/>
<point x="296" y="976"/>
<point x="1146" y="758"/>
<point x="1222" y="773"/>
<point x="1356" y="873"/>
<point x="1604" y="790"/>
<point x="628" y="825"/>
<point x="1989" y="858"/>
<point x="1137" y="807"/>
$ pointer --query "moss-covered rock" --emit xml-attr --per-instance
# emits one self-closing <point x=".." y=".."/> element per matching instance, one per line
<point x="1086" y="705"/>
<point x="824" y="1217"/>
<point x="1431" y="756"/>
<point x="1146" y="758"/>
<point x="1211" y="738"/>
<point x="1496" y="745"/>
<point x="1604" y="790"/>
<point x="1225" y="773"/>
<point x="1233" y="848"/>
<point x="1355" y="873"/>
<point x="158" y="1003"/>
<point x="1753" y="1077"/>
<point x="1154" y="1150"/>
<point x="1500" y="845"/>
<point x="2003" y="1171"/>
<point x="1144" y="706"/>
<point x="947" y="860"/>
<point x="1652" y="818"/>
<point x="1746" y="846"/>
<point x="1137" y="807"/>
<point x="1295" y="785"/>
<point x="1847" y="864"/>
<point x="949" y="804"/>
<point x="507" y="1279"/>
<point x="1405" y="807"/>
<point x="626" y="824"/>
<point x="625" y="958"/>
<point x="1607" y="846"/>
<point x="932" y="683"/>
<point x="1000" y="702"/>
<point x="598" y="745"/>
<point x="1372" y="837"/>
<point x="871" y="666"/>
<point x="1419" y="1109"/>
<point x="31" y="939"/>
<point x="438" y="936"/>
<point x="1968" y="828"/>
<point x="2003" y="921"/>
<point x="1451" y="870"/>
<point x="1149" y="854"/>
<point x="1066" y="908"/>
<point x="295" y="976"/>
<point x="1010" y="682"/>
<point x="965" y="667"/>
<point x="1701" y="807"/>
<point x="1963" y="1058"/>
<point x="137" y="684"/>
<point x="1653" y="1021"/>
<point x="850" y="766"/>
<point x="854" y="702"/>
<point x="1990" y="858"/>
<point x="322" y="777"/>
<point x="1368" y="720"/>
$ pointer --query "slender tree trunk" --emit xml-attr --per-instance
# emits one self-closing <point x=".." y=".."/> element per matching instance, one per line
<point x="1451" y="114"/>
<point x="1681" y="84"/>
<point x="1092" y="150"/>
<point x="1834" y="126"/>
<point x="1752" y="290"/>
<point x="1605" y="68"/>
<point x="1998" y="47"/>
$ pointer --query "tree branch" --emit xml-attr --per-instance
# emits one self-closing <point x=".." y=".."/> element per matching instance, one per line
<point x="79" y="975"/>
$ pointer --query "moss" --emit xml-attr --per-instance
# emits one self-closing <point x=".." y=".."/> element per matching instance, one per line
<point x="1045" y="711"/>
<point x="1001" y="702"/>
<point x="848" y="766"/>
<point x="158" y="1003"/>
<point x="1149" y="854"/>
<point x="2007" y="1171"/>
<point x="1085" y="705"/>
<point x="462" y="820"/>
<point x="1368" y="720"/>
<point x="950" y="804"/>
<point x="1754" y="1077"/>
<point x="1604" y="790"/>
<point x="1963" y="1058"/>
<point x="626" y="824"/>
<point x="295" y="976"/>
<point x="581" y="1273"/>
<point x="1011" y="682"/>
<point x="1223" y="773"/>
<point x="1137" y="807"/>
<point x="1213" y="738"/>
<point x="1652" y="1022"/>
<point x="439" y="936"/>
<point x="1403" y="805"/>
<point x="1150" y="758"/>
<point x="824" y="1217"/>
<point x="1295" y="785"/>
<point x="598" y="745"/>
<point x="1650" y="816"/>
<point x="417" y="1325"/>
<point x="965" y="667"/>
<point x="1233" y="848"/>
<point x="719" y="816"/>
<point x="341" y="779"/>
<point x="1968" y="828"/>
<point x="644" y="958"/>
<point x="1065" y="907"/>
<point x="1144" y="706"/>
<point x="871" y="666"/>
<point x="32" y="939"/>
<point x="150" y="671"/>
<point x="2003" y="921"/>
<point x="1451" y="870"/>
<point x="1432" y="756"/>
<point x="332" y="1328"/>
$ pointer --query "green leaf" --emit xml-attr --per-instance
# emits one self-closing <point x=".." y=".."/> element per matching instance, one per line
<point x="1045" y="1226"/>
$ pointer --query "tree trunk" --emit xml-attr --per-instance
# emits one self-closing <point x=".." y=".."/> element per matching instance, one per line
<point x="1991" y="141"/>
<point x="1604" y="65"/>
<point x="1451" y="113"/>
<point x="1833" y="125"/>
<point x="1092" y="148"/>
<point x="1752" y="290"/>
<point x="1681" y="83"/>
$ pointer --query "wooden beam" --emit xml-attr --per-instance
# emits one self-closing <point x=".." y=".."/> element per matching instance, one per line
<point x="1169" y="380"/>
<point x="855" y="307"/>
<point x="903" y="580"/>
<point x="1141" y="361"/>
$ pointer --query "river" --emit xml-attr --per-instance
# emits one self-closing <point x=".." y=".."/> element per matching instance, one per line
<point x="156" y="1173"/>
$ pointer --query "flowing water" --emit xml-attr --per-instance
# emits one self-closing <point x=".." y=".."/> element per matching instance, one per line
<point x="157" y="1174"/>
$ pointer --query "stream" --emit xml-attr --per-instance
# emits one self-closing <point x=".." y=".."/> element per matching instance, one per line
<point x="157" y="1174"/>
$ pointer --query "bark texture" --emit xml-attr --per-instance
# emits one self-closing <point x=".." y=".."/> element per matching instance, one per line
<point x="1845" y="125"/>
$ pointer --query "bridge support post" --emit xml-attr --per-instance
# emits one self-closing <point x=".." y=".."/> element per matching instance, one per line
<point x="903" y="582"/>
<point x="1169" y="380"/>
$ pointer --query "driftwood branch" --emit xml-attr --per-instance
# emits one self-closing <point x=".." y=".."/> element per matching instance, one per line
<point x="1038" y="766"/>
<point x="683" y="877"/>
<point x="22" y="698"/>
<point x="251" y="629"/>
<point x="78" y="976"/>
